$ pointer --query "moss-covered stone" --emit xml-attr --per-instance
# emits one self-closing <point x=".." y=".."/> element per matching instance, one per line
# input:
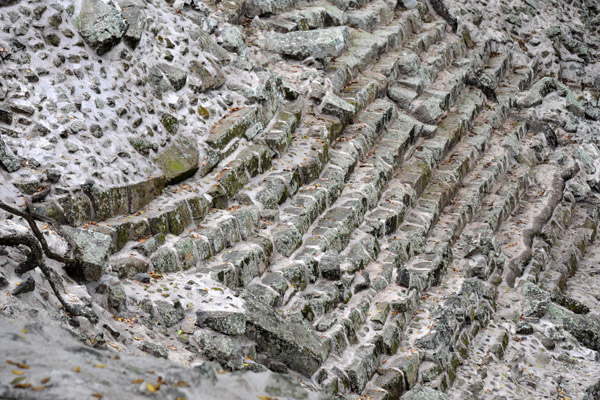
<point x="170" y="123"/>
<point x="165" y="260"/>
<point x="77" y="208"/>
<point x="205" y="76"/>
<point x="179" y="218"/>
<point x="198" y="207"/>
<point x="179" y="160"/>
<point x="144" y="192"/>
<point x="203" y="112"/>
<point x="185" y="251"/>
<point x="158" y="223"/>
<point x="109" y="202"/>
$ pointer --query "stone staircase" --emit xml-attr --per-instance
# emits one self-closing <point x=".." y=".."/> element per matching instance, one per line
<point x="361" y="239"/>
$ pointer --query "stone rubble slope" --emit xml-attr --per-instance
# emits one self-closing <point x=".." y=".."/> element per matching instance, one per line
<point x="50" y="363"/>
<point x="379" y="199"/>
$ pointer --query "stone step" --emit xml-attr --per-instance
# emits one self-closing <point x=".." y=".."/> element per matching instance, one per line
<point x="443" y="331"/>
<point x="357" y="250"/>
<point x="566" y="236"/>
<point x="391" y="333"/>
<point x="373" y="14"/>
<point x="365" y="47"/>
<point x="314" y="16"/>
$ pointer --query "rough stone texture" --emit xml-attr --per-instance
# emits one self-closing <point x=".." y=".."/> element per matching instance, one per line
<point x="283" y="340"/>
<point x="7" y="159"/>
<point x="375" y="198"/>
<point x="318" y="43"/>
<point x="100" y="24"/>
<point x="178" y="161"/>
<point x="95" y="249"/>
<point x="54" y="352"/>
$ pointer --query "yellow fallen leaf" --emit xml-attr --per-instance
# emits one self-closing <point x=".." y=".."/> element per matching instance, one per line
<point x="137" y="381"/>
<point x="151" y="388"/>
<point x="17" y="372"/>
<point x="99" y="365"/>
<point x="114" y="345"/>
<point x="38" y="388"/>
<point x="77" y="369"/>
<point x="97" y="395"/>
<point x="45" y="380"/>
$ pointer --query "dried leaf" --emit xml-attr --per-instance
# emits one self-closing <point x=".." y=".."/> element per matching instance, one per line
<point x="151" y="388"/>
<point x="38" y="388"/>
<point x="18" y="380"/>
<point x="137" y="381"/>
<point x="45" y="380"/>
<point x="77" y="369"/>
<point x="97" y="395"/>
<point x="99" y="365"/>
<point x="23" y="385"/>
<point x="17" y="372"/>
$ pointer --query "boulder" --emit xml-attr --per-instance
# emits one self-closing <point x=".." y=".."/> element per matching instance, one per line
<point x="317" y="43"/>
<point x="100" y="24"/>
<point x="282" y="339"/>
<point x="179" y="160"/>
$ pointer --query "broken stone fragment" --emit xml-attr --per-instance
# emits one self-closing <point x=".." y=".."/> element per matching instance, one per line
<point x="94" y="251"/>
<point x="134" y="13"/>
<point x="334" y="105"/>
<point x="317" y="43"/>
<point x="176" y="77"/>
<point x="170" y="313"/>
<point x="100" y="24"/>
<point x="229" y="322"/>
<point x="178" y="161"/>
<point x="154" y="349"/>
<point x="117" y="299"/>
<point x="208" y="44"/>
<point x="205" y="76"/>
<point x="8" y="161"/>
<point x="25" y="287"/>
<point x="282" y="339"/>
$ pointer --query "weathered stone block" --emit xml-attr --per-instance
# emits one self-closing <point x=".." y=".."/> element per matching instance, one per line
<point x="286" y="341"/>
<point x="94" y="251"/>
<point x="231" y="126"/>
